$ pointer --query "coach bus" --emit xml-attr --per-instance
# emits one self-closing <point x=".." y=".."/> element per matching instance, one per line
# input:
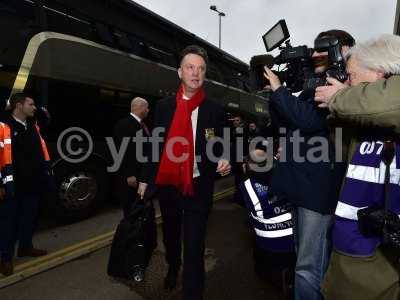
<point x="83" y="61"/>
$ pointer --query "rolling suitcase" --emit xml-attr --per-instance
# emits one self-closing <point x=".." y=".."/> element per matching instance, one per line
<point x="133" y="243"/>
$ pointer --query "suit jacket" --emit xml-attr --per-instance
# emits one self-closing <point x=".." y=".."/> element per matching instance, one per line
<point x="210" y="116"/>
<point x="130" y="166"/>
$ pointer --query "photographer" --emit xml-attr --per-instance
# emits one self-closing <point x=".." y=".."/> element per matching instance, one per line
<point x="358" y="103"/>
<point x="364" y="263"/>
<point x="311" y="185"/>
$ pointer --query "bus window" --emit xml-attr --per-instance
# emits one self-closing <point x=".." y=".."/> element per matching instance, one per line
<point x="17" y="24"/>
<point x="104" y="34"/>
<point x="213" y="73"/>
<point x="57" y="18"/>
<point x="163" y="57"/>
<point x="81" y="27"/>
<point x="139" y="47"/>
<point x="123" y="41"/>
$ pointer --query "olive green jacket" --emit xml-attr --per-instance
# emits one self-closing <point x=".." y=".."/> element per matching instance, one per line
<point x="368" y="105"/>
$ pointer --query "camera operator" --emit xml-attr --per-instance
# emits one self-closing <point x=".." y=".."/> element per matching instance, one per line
<point x="311" y="186"/>
<point x="364" y="263"/>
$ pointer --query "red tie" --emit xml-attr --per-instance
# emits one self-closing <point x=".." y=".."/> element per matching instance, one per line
<point x="144" y="127"/>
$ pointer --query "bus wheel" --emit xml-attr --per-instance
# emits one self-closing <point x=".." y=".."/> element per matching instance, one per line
<point x="81" y="190"/>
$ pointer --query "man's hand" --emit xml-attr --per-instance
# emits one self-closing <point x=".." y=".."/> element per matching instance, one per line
<point x="132" y="182"/>
<point x="274" y="82"/>
<point x="244" y="168"/>
<point x="2" y="193"/>
<point x="323" y="94"/>
<point x="278" y="153"/>
<point x="224" y="167"/>
<point x="142" y="189"/>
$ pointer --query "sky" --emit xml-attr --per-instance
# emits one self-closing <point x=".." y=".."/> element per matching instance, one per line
<point x="247" y="20"/>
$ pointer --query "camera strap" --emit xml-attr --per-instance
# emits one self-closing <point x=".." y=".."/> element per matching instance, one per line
<point x="388" y="155"/>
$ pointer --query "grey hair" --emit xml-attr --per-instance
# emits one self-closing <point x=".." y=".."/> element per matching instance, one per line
<point x="380" y="54"/>
<point x="137" y="101"/>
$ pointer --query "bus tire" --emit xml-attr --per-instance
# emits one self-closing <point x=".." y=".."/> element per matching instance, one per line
<point x="81" y="189"/>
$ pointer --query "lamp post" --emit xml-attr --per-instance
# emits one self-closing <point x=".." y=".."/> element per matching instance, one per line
<point x="220" y="15"/>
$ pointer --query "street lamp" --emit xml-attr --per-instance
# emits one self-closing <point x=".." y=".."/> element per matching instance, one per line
<point x="220" y="14"/>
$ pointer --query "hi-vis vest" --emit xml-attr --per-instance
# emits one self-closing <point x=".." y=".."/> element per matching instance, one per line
<point x="364" y="187"/>
<point x="271" y="220"/>
<point x="6" y="166"/>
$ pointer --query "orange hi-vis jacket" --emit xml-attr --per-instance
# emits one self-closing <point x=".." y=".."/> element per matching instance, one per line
<point x="6" y="162"/>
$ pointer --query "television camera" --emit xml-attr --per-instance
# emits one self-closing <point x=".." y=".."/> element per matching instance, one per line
<point x="298" y="73"/>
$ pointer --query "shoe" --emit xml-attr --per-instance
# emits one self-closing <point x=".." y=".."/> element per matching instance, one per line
<point x="6" y="268"/>
<point x="170" y="279"/>
<point x="33" y="252"/>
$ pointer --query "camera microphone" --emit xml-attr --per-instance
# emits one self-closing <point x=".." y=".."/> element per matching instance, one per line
<point x="257" y="63"/>
<point x="262" y="60"/>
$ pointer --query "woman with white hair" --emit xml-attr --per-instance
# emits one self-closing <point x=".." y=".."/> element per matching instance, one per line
<point x="361" y="266"/>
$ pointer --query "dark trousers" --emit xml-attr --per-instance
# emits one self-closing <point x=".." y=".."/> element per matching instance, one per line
<point x="126" y="194"/>
<point x="17" y="222"/>
<point x="192" y="213"/>
<point x="237" y="171"/>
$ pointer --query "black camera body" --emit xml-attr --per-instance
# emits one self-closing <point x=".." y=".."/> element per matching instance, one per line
<point x="299" y="70"/>
<point x="291" y="54"/>
<point x="373" y="220"/>
<point x="299" y="66"/>
<point x="378" y="221"/>
<point x="336" y="65"/>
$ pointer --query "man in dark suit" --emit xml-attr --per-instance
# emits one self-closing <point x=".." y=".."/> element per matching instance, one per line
<point x="239" y="150"/>
<point x="131" y="169"/>
<point x="186" y="183"/>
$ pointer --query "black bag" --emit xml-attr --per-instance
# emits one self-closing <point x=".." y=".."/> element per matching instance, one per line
<point x="134" y="242"/>
<point x="372" y="221"/>
<point x="380" y="221"/>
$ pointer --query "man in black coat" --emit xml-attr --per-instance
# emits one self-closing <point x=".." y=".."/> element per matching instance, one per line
<point x="132" y="167"/>
<point x="239" y="150"/>
<point x="24" y="179"/>
<point x="186" y="185"/>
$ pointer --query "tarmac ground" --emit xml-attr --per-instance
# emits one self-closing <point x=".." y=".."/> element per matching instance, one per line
<point x="229" y="266"/>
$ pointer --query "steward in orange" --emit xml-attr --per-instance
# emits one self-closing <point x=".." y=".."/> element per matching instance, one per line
<point x="24" y="177"/>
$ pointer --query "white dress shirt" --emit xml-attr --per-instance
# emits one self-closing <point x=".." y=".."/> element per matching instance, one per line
<point x="136" y="117"/>
<point x="194" y="117"/>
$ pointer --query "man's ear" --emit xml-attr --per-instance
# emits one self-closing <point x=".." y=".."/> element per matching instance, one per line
<point x="180" y="73"/>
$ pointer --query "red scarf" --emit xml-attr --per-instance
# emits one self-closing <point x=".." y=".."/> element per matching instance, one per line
<point x="180" y="174"/>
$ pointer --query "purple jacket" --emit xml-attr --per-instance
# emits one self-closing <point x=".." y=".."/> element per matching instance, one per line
<point x="364" y="187"/>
